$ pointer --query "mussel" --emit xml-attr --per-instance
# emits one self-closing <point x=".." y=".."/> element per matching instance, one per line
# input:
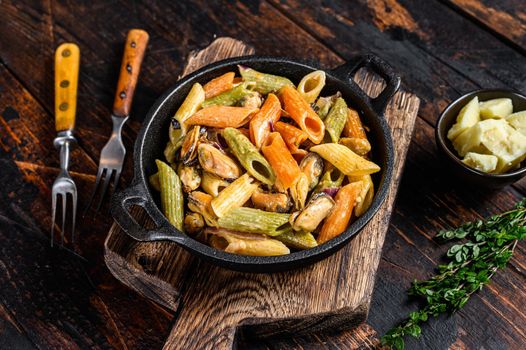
<point x="317" y="209"/>
<point x="252" y="100"/>
<point x="193" y="223"/>
<point x="200" y="202"/>
<point x="213" y="184"/>
<point x="276" y="202"/>
<point x="190" y="144"/>
<point x="358" y="145"/>
<point x="216" y="162"/>
<point x="312" y="166"/>
<point x="189" y="176"/>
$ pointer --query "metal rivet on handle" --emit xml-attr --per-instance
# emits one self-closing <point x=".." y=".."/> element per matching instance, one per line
<point x="66" y="53"/>
<point x="133" y="44"/>
<point x="128" y="68"/>
<point x="64" y="83"/>
<point x="63" y="106"/>
<point x="122" y="94"/>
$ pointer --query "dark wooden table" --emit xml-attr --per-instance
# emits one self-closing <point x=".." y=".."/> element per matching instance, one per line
<point x="441" y="48"/>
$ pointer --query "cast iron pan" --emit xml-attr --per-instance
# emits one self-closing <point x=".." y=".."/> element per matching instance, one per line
<point x="154" y="134"/>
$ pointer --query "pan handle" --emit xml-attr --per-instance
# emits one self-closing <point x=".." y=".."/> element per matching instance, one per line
<point x="347" y="70"/>
<point x="137" y="195"/>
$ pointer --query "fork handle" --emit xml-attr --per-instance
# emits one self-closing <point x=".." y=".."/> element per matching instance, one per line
<point x="67" y="59"/>
<point x="136" y="42"/>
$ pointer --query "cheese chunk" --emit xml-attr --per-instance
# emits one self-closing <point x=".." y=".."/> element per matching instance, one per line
<point x="497" y="108"/>
<point x="518" y="121"/>
<point x="481" y="162"/>
<point x="495" y="137"/>
<point x="468" y="116"/>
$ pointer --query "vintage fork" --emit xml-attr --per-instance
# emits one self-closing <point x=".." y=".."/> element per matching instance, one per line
<point x="113" y="153"/>
<point x="67" y="57"/>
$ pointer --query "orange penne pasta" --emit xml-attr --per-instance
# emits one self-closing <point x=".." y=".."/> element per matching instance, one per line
<point x="340" y="215"/>
<point x="302" y="113"/>
<point x="292" y="136"/>
<point x="219" y="85"/>
<point x="353" y="126"/>
<point x="278" y="155"/>
<point x="221" y="116"/>
<point x="269" y="113"/>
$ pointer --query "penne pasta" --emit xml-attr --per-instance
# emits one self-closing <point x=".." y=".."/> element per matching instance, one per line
<point x="345" y="160"/>
<point x="339" y="218"/>
<point x="298" y="240"/>
<point x="234" y="196"/>
<point x="302" y="113"/>
<point x="292" y="136"/>
<point x="222" y="117"/>
<point x="285" y="167"/>
<point x="229" y="97"/>
<point x="365" y="198"/>
<point x="336" y="119"/>
<point x="190" y="105"/>
<point x="249" y="157"/>
<point x="171" y="195"/>
<point x="263" y="164"/>
<point x="213" y="184"/>
<point x="311" y="85"/>
<point x="263" y="83"/>
<point x="244" y="243"/>
<point x="261" y="123"/>
<point x="256" y="221"/>
<point x="219" y="85"/>
<point x="331" y="179"/>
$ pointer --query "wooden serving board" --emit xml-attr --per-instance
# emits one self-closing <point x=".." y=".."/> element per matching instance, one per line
<point x="215" y="304"/>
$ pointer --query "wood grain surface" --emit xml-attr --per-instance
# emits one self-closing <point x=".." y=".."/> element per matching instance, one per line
<point x="216" y="304"/>
<point x="442" y="48"/>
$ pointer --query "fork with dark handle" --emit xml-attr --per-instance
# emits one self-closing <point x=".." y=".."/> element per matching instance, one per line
<point x="113" y="153"/>
<point x="67" y="57"/>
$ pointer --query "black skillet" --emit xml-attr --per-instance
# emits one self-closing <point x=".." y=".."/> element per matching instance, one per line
<point x="154" y="134"/>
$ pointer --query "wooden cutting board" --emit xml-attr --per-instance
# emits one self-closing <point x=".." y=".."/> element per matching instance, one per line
<point x="215" y="304"/>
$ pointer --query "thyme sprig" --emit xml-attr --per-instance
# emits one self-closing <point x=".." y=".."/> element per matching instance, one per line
<point x="487" y="245"/>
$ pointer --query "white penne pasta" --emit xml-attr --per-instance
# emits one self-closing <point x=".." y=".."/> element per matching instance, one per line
<point x="365" y="198"/>
<point x="234" y="196"/>
<point x="190" y="105"/>
<point x="345" y="160"/>
<point x="311" y="85"/>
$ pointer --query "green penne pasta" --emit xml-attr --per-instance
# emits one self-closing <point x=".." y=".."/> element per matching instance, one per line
<point x="170" y="153"/>
<point x="298" y="240"/>
<point x="190" y="105"/>
<point x="249" y="156"/>
<point x="154" y="182"/>
<point x="323" y="105"/>
<point x="230" y="97"/>
<point x="264" y="83"/>
<point x="171" y="195"/>
<point x="256" y="221"/>
<point x="335" y="120"/>
<point x="331" y="178"/>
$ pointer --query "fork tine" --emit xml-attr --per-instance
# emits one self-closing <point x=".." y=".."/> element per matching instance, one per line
<point x="74" y="199"/>
<point x="105" y="184"/>
<point x="94" y="192"/>
<point x="53" y="212"/>
<point x="116" y="180"/>
<point x="64" y="198"/>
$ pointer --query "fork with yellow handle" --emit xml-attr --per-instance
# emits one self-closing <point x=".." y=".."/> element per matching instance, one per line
<point x="67" y="58"/>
